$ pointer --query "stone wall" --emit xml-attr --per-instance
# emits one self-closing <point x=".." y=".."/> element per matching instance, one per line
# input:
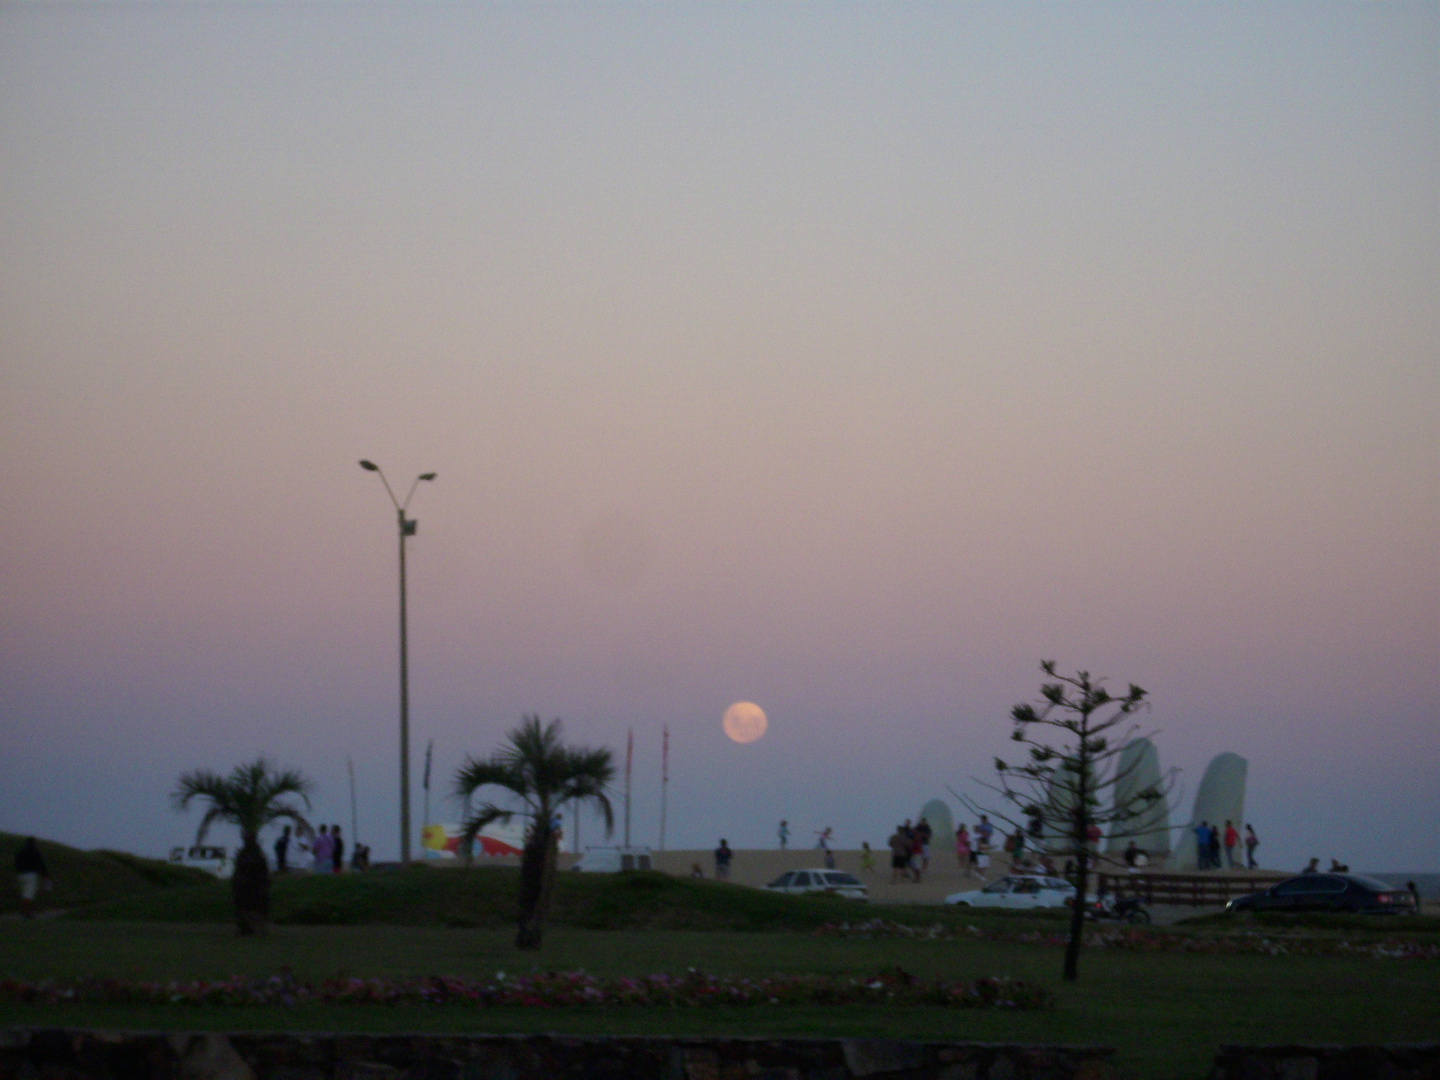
<point x="1394" y="1062"/>
<point x="41" y="1054"/>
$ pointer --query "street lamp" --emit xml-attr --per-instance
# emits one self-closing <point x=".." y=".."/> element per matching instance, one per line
<point x="407" y="528"/>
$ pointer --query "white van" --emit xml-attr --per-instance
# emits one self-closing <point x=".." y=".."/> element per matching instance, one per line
<point x="612" y="860"/>
<point x="214" y="860"/>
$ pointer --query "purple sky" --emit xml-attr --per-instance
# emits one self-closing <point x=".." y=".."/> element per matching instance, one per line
<point x="848" y="360"/>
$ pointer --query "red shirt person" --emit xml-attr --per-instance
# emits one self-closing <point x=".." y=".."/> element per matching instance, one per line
<point x="1232" y="844"/>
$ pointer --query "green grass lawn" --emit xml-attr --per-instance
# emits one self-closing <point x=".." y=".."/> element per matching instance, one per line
<point x="1167" y="1013"/>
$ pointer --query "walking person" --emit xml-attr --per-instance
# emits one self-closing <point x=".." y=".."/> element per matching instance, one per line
<point x="723" y="855"/>
<point x="867" y="858"/>
<point x="31" y="874"/>
<point x="962" y="849"/>
<point x="917" y="854"/>
<point x="925" y="832"/>
<point x="1251" y="843"/>
<point x="899" y="845"/>
<point x="784" y="833"/>
<point x="337" y="851"/>
<point x="282" y="851"/>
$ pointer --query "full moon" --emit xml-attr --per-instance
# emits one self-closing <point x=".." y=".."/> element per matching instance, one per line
<point x="745" y="721"/>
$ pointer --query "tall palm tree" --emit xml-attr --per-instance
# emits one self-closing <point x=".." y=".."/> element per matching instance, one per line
<point x="251" y="797"/>
<point x="545" y="775"/>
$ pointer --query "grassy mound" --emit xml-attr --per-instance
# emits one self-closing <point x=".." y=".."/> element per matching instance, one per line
<point x="88" y="877"/>
<point x="486" y="897"/>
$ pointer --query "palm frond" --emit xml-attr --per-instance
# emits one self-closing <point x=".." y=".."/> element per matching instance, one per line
<point x="536" y="767"/>
<point x="249" y="797"/>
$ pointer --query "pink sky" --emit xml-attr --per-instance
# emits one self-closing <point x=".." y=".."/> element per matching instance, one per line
<point x="848" y="361"/>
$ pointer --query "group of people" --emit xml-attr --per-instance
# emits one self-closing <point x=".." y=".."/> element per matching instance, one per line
<point x="1211" y="840"/>
<point x="972" y="849"/>
<point x="327" y="852"/>
<point x="1336" y="867"/>
<point x="909" y="851"/>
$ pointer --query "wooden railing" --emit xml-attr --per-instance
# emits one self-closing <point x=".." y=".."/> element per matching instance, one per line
<point x="1188" y="890"/>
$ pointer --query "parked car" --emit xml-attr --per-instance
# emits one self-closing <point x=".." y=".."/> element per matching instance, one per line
<point x="1018" y="891"/>
<point x="1329" y="892"/>
<point x="836" y="882"/>
<point x="207" y="857"/>
<point x="612" y="860"/>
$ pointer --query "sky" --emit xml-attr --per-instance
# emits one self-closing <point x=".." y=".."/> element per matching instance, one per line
<point x="849" y="359"/>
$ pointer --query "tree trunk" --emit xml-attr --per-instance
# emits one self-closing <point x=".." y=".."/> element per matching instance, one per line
<point x="1077" y="915"/>
<point x="250" y="887"/>
<point x="537" y="882"/>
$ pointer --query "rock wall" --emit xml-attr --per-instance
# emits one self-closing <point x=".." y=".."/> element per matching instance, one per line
<point x="50" y="1054"/>
<point x="1394" y="1062"/>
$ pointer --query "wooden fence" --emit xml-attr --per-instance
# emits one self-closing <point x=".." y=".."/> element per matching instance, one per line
<point x="1188" y="890"/>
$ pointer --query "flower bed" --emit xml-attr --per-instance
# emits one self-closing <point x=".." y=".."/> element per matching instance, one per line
<point x="1134" y="940"/>
<point x="694" y="989"/>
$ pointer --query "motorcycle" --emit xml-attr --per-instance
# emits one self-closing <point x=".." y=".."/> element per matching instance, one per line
<point x="1128" y="909"/>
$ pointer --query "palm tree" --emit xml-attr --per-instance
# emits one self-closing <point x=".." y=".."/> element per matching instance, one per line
<point x="251" y="797"/>
<point x="545" y="775"/>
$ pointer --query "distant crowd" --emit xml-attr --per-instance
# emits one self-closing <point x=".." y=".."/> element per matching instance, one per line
<point x="327" y="852"/>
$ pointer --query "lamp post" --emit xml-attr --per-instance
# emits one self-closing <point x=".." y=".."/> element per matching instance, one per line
<point x="407" y="528"/>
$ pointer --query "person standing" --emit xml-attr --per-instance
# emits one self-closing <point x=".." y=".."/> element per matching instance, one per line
<point x="983" y="832"/>
<point x="282" y="851"/>
<point x="321" y="850"/>
<point x="337" y="851"/>
<point x="899" y="845"/>
<point x="1202" y="846"/>
<point x="1232" y="845"/>
<point x="723" y="855"/>
<point x="962" y="848"/>
<point x="784" y="833"/>
<point x="1251" y="843"/>
<point x="31" y="874"/>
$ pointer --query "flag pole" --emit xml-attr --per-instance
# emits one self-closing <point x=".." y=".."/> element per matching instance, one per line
<point x="664" y="779"/>
<point x="354" y="815"/>
<point x="429" y="753"/>
<point x="629" y="760"/>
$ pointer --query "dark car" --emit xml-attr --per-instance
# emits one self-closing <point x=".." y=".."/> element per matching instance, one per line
<point x="1328" y="892"/>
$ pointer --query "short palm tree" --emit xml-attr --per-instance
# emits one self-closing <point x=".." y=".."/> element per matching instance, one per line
<point x="251" y="797"/>
<point x="545" y="775"/>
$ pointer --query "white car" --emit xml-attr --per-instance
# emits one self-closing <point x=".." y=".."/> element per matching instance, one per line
<point x="1018" y="891"/>
<point x="796" y="882"/>
<point x="613" y="860"/>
